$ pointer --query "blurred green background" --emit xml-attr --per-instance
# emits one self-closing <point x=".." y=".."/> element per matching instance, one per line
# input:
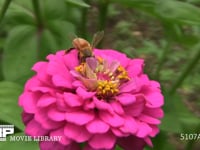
<point x="166" y="33"/>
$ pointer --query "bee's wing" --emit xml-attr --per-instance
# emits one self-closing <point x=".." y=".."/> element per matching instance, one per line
<point x="97" y="38"/>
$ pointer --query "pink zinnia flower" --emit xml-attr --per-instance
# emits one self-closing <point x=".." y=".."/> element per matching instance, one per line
<point x="104" y="102"/>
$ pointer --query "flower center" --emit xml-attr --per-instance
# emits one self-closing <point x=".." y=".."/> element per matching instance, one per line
<point x="102" y="76"/>
<point x="106" y="88"/>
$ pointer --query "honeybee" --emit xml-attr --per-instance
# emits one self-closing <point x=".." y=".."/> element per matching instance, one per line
<point x="84" y="48"/>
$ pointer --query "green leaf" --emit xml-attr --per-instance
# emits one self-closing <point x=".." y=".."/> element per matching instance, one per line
<point x="118" y="148"/>
<point x="61" y="33"/>
<point x="144" y="5"/>
<point x="80" y="3"/>
<point x="20" y="12"/>
<point x="178" y="11"/>
<point x="53" y="10"/>
<point x="56" y="37"/>
<point x="20" y="53"/>
<point x="9" y="110"/>
<point x="4" y="8"/>
<point x="21" y="145"/>
<point x="24" y="45"/>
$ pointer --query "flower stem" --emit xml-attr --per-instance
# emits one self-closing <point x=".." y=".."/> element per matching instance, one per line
<point x="187" y="70"/>
<point x="36" y="8"/>
<point x="40" y="26"/>
<point x="162" y="60"/>
<point x="103" y="9"/>
<point x="4" y="9"/>
<point x="83" y="24"/>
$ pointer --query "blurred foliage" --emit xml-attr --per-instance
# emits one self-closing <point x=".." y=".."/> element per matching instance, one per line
<point x="165" y="33"/>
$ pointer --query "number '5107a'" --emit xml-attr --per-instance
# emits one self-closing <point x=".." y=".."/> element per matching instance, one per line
<point x="190" y="136"/>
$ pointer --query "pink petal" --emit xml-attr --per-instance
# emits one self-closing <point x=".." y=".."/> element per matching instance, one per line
<point x="61" y="104"/>
<point x="126" y="98"/>
<point x="143" y="130"/>
<point x="39" y="66"/>
<point x="130" y="125"/>
<point x="84" y="94"/>
<point x="26" y="117"/>
<point x="32" y="82"/>
<point x="97" y="126"/>
<point x="149" y="119"/>
<point x="102" y="105"/>
<point x="42" y="89"/>
<point x="136" y="108"/>
<point x="154" y="112"/>
<point x="155" y="84"/>
<point x="77" y="83"/>
<point x="117" y="132"/>
<point x="155" y="130"/>
<point x="117" y="107"/>
<point x="112" y="55"/>
<point x="71" y="59"/>
<point x="112" y="119"/>
<point x="77" y="133"/>
<point x="148" y="141"/>
<point x="57" y="66"/>
<point x="79" y="117"/>
<point x="143" y="80"/>
<point x="72" y="99"/>
<point x="62" y="81"/>
<point x="128" y="86"/>
<point x="102" y="141"/>
<point x="56" y="115"/>
<point x="135" y="67"/>
<point x="60" y="132"/>
<point x="44" y="120"/>
<point x="154" y="99"/>
<point x="33" y="128"/>
<point x="88" y="105"/>
<point x="46" y="100"/>
<point x="28" y="101"/>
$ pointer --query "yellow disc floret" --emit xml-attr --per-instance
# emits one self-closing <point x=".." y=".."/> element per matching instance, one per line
<point x="101" y="76"/>
<point x="107" y="88"/>
<point x="122" y="73"/>
<point x="81" y="68"/>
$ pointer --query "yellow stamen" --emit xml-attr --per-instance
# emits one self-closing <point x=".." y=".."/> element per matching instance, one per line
<point x="122" y="73"/>
<point x="100" y="59"/>
<point x="80" y="68"/>
<point x="107" y="88"/>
